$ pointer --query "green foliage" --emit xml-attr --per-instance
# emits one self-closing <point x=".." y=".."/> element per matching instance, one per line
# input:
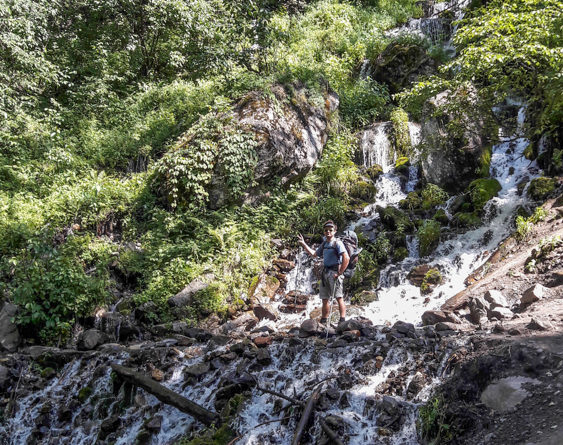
<point x="505" y="47"/>
<point x="485" y="161"/>
<point x="525" y="225"/>
<point x="540" y="188"/>
<point x="401" y="164"/>
<point x="482" y="190"/>
<point x="467" y="219"/>
<point x="428" y="236"/>
<point x="411" y="202"/>
<point x="441" y="217"/>
<point x="84" y="393"/>
<point x="401" y="136"/>
<point x="363" y="190"/>
<point x="432" y="422"/>
<point x="374" y="172"/>
<point x="382" y="248"/>
<point x="400" y="253"/>
<point x="432" y="196"/>
<point x="431" y="278"/>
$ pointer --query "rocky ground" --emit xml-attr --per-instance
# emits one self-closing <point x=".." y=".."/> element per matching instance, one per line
<point x="497" y="346"/>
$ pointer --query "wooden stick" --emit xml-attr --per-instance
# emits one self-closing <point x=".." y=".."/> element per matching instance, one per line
<point x="307" y="412"/>
<point x="167" y="395"/>
<point x="330" y="433"/>
<point x="279" y="394"/>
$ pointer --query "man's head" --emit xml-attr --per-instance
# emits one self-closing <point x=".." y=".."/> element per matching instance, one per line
<point x="329" y="229"/>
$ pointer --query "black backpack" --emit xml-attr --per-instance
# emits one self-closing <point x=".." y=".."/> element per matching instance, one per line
<point x="350" y="241"/>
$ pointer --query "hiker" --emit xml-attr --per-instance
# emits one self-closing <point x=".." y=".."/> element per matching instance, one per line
<point x="335" y="260"/>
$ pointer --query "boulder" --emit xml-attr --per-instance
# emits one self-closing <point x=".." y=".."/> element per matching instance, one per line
<point x="197" y="370"/>
<point x="262" y="291"/>
<point x="452" y="158"/>
<point x="9" y="334"/>
<point x="404" y="328"/>
<point x="495" y="298"/>
<point x="538" y="325"/>
<point x="284" y="265"/>
<point x="91" y="339"/>
<point x="478" y="307"/>
<point x="265" y="311"/>
<point x="433" y="317"/>
<point x="500" y="312"/>
<point x="417" y="274"/>
<point x="309" y="327"/>
<point x="532" y="294"/>
<point x="184" y="297"/>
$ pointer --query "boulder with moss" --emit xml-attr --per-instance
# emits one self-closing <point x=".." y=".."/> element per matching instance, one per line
<point x="428" y="236"/>
<point x="395" y="219"/>
<point x="363" y="190"/>
<point x="482" y="190"/>
<point x="466" y="219"/>
<point x="540" y="188"/>
<point x="453" y="141"/>
<point x="374" y="172"/>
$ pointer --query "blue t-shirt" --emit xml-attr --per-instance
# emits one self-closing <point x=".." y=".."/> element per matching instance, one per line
<point x="331" y="252"/>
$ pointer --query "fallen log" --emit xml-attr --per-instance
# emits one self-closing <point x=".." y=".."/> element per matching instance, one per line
<point x="307" y="412"/>
<point x="330" y="433"/>
<point x="279" y="394"/>
<point x="166" y="395"/>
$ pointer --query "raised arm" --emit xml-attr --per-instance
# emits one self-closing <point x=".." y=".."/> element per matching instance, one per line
<point x="308" y="249"/>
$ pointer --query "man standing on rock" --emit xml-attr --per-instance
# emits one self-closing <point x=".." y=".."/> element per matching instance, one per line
<point x="335" y="261"/>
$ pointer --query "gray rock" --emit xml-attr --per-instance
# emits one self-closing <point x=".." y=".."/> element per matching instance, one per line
<point x="265" y="311"/>
<point x="4" y="377"/>
<point x="500" y="312"/>
<point x="185" y="296"/>
<point x="404" y="328"/>
<point x="9" y="334"/>
<point x="197" y="370"/>
<point x="350" y="325"/>
<point x="447" y="326"/>
<point x="539" y="325"/>
<point x="91" y="339"/>
<point x="244" y="322"/>
<point x="478" y="307"/>
<point x="495" y="298"/>
<point x="433" y="317"/>
<point x="309" y="327"/>
<point x="532" y="294"/>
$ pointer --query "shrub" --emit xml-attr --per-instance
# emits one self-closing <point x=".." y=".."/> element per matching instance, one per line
<point x="428" y="236"/>
<point x="432" y="196"/>
<point x="482" y="190"/>
<point x="431" y="278"/>
<point x="540" y="188"/>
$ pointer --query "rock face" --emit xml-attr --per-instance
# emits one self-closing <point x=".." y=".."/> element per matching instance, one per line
<point x="452" y="159"/>
<point x="90" y="339"/>
<point x="184" y="297"/>
<point x="9" y="334"/>
<point x="401" y="63"/>
<point x="291" y="131"/>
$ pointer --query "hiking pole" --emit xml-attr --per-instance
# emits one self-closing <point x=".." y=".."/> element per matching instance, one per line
<point x="330" y="303"/>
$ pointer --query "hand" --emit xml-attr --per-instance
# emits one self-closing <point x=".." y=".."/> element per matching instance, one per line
<point x="301" y="240"/>
<point x="336" y="275"/>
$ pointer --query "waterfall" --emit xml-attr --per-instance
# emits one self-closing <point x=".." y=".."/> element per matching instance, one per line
<point x="376" y="147"/>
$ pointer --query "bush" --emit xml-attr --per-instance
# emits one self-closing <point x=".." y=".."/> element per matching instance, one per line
<point x="428" y="236"/>
<point x="540" y="188"/>
<point x="432" y="196"/>
<point x="482" y="190"/>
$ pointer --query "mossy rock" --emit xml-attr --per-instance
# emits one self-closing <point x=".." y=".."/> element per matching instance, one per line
<point x="374" y="172"/>
<point x="395" y="219"/>
<point x="485" y="161"/>
<point x="467" y="219"/>
<point x="363" y="190"/>
<point x="84" y="393"/>
<point x="441" y="217"/>
<point x="48" y="373"/>
<point x="540" y="188"/>
<point x="412" y="202"/>
<point x="400" y="253"/>
<point x="402" y="165"/>
<point x="432" y="196"/>
<point x="431" y="279"/>
<point x="482" y="190"/>
<point x="428" y="236"/>
<point x="364" y="297"/>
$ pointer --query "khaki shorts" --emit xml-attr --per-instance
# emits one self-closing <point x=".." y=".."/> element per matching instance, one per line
<point x="330" y="286"/>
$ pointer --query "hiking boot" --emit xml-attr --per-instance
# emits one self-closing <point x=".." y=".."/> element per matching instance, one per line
<point x="323" y="320"/>
<point x="342" y="320"/>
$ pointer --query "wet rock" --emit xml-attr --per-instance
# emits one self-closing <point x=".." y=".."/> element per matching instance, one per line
<point x="404" y="328"/>
<point x="264" y="289"/>
<point x="284" y="265"/>
<point x="157" y="375"/>
<point x="415" y="385"/>
<point x="4" y="377"/>
<point x="433" y="317"/>
<point x="197" y="370"/>
<point x="478" y="307"/>
<point x="293" y="308"/>
<point x="365" y="297"/>
<point x="262" y="342"/>
<point x="417" y="274"/>
<point x="197" y="333"/>
<point x="294" y="297"/>
<point x="495" y="298"/>
<point x="154" y="424"/>
<point x="47" y="373"/>
<point x="532" y="294"/>
<point x="539" y="325"/>
<point x="447" y="326"/>
<point x="219" y="340"/>
<point x="185" y="296"/>
<point x="263" y="357"/>
<point x="350" y="325"/>
<point x="309" y="327"/>
<point x="263" y="311"/>
<point x="392" y="413"/>
<point x="500" y="313"/>
<point x="108" y="426"/>
<point x="90" y="339"/>
<point x="246" y="321"/>
<point x="9" y="334"/>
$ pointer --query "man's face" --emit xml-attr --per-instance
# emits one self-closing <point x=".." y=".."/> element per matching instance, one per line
<point x="329" y="232"/>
